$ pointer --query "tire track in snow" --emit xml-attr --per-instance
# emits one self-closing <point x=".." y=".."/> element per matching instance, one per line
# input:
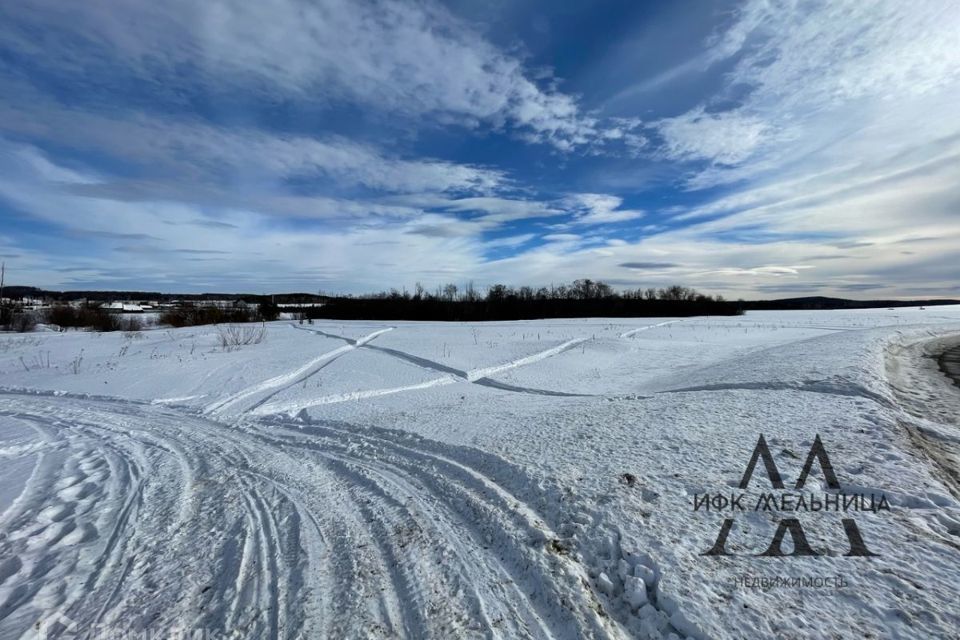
<point x="388" y="485"/>
<point x="473" y="375"/>
<point x="418" y="482"/>
<point x="633" y="332"/>
<point x="69" y="512"/>
<point x="292" y="406"/>
<point x="285" y="380"/>
<point x="139" y="542"/>
<point x="291" y="530"/>
<point x="503" y="386"/>
<point x="836" y="386"/>
<point x="476" y="376"/>
<point x="486" y="372"/>
<point x="456" y="482"/>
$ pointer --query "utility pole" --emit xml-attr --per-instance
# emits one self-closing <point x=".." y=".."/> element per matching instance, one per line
<point x="3" y="272"/>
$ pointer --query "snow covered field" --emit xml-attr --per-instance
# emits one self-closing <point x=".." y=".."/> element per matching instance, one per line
<point x="509" y="480"/>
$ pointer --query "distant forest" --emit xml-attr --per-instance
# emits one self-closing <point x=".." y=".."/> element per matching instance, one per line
<point x="582" y="298"/>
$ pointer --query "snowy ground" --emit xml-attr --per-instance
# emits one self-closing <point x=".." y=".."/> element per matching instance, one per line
<point x="527" y="479"/>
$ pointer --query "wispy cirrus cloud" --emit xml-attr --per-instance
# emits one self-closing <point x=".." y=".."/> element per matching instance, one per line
<point x="599" y="208"/>
<point x="833" y="123"/>
<point x="397" y="58"/>
<point x="808" y="74"/>
<point x="202" y="153"/>
<point x="724" y="138"/>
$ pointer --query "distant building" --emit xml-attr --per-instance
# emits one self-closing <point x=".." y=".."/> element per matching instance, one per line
<point x="123" y="307"/>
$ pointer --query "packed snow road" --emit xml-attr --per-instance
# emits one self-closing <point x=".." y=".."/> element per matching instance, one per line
<point x="501" y="480"/>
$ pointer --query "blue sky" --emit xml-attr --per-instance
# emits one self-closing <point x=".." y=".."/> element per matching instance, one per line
<point x="752" y="149"/>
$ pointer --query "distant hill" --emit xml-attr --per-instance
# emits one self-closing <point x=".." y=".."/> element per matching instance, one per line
<point x="823" y="302"/>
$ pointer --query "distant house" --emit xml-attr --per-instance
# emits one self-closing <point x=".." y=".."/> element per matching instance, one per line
<point x="122" y="307"/>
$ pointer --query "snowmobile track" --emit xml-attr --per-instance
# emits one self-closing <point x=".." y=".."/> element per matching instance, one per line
<point x="141" y="516"/>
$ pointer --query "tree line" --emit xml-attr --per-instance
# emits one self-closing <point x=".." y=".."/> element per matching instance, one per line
<point x="581" y="298"/>
<point x="450" y="302"/>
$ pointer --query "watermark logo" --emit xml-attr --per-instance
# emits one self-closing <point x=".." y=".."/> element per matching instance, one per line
<point x="792" y="503"/>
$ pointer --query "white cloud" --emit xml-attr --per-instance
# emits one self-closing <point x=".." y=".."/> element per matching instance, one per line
<point x="821" y="54"/>
<point x="725" y="138"/>
<point x="586" y="208"/>
<point x="201" y="152"/>
<point x="184" y="246"/>
<point x="404" y="58"/>
<point x="598" y="208"/>
<point x="768" y="270"/>
<point x="149" y="243"/>
<point x="833" y="137"/>
<point x="808" y="73"/>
